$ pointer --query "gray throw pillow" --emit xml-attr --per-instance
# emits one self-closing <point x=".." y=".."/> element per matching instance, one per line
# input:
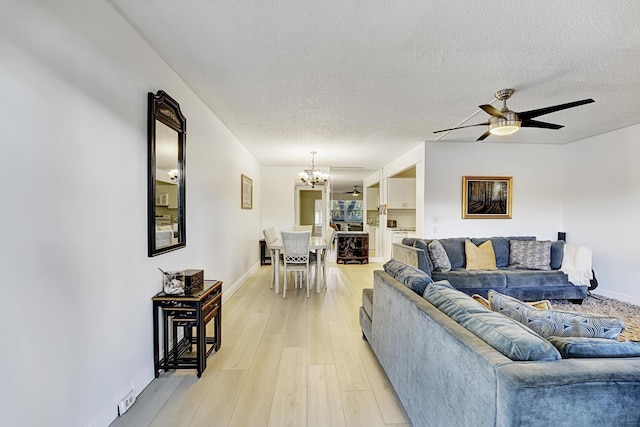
<point x="530" y="255"/>
<point x="439" y="256"/>
<point x="556" y="323"/>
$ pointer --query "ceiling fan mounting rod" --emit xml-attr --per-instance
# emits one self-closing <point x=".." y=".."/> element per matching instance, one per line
<point x="504" y="94"/>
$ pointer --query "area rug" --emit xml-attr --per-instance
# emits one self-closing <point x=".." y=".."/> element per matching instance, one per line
<point x="598" y="304"/>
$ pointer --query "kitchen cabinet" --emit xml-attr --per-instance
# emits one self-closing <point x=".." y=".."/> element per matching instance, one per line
<point x="401" y="193"/>
<point x="373" y="240"/>
<point x="372" y="199"/>
<point x="395" y="236"/>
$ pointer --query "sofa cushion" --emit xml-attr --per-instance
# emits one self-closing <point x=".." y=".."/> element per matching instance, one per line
<point x="480" y="257"/>
<point x="439" y="256"/>
<point x="535" y="278"/>
<point x="530" y="255"/>
<point x="557" y="254"/>
<point x="550" y="323"/>
<point x="581" y="347"/>
<point x="454" y="246"/>
<point x="413" y="278"/>
<point x="451" y="301"/>
<point x="424" y="261"/>
<point x="512" y="339"/>
<point x="472" y="279"/>
<point x="501" y="247"/>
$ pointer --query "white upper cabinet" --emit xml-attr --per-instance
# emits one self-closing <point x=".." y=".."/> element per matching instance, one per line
<point x="372" y="199"/>
<point x="401" y="193"/>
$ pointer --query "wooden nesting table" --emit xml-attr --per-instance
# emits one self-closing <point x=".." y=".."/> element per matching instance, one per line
<point x="188" y="313"/>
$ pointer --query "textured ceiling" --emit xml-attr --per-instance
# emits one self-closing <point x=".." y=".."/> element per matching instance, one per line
<point x="361" y="82"/>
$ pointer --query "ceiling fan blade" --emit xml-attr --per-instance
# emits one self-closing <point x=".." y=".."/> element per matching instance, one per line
<point x="525" y="115"/>
<point x="491" y="110"/>
<point x="483" y="136"/>
<point x="538" y="124"/>
<point x="462" y="127"/>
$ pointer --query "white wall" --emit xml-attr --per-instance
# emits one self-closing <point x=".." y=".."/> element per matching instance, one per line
<point x="278" y="195"/>
<point x="602" y="202"/>
<point x="76" y="282"/>
<point x="537" y="188"/>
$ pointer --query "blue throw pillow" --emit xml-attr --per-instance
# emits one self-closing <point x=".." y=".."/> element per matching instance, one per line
<point x="581" y="347"/>
<point x="515" y="341"/>
<point x="450" y="301"/>
<point x="413" y="278"/>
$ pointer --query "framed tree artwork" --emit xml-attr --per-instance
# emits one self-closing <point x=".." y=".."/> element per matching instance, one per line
<point x="487" y="197"/>
<point x="246" y="189"/>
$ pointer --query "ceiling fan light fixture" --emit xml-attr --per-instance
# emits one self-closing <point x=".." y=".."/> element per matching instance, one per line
<point x="504" y="126"/>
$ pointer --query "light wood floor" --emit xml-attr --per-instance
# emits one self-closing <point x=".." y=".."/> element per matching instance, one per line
<point x="292" y="362"/>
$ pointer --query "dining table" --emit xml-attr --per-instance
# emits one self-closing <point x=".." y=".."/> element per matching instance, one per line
<point x="317" y="244"/>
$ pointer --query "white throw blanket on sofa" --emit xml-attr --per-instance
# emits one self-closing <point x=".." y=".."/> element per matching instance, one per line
<point x="576" y="263"/>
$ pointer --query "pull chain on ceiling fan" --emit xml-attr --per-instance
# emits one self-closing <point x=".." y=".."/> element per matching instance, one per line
<point x="506" y="122"/>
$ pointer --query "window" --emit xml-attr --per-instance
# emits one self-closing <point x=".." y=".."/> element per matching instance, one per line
<point x="346" y="210"/>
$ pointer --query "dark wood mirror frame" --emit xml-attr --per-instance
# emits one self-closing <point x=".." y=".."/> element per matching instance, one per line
<point x="164" y="110"/>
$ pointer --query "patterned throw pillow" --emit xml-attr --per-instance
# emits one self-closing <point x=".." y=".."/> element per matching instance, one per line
<point x="556" y="323"/>
<point x="480" y="257"/>
<point x="530" y="254"/>
<point x="439" y="256"/>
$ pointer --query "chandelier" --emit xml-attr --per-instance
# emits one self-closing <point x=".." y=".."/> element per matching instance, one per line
<point x="313" y="176"/>
<point x="174" y="174"/>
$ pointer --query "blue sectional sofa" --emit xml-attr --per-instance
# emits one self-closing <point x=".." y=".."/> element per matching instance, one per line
<point x="526" y="285"/>
<point x="454" y="363"/>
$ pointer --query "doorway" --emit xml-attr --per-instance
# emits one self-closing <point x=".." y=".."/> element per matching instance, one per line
<point x="311" y="210"/>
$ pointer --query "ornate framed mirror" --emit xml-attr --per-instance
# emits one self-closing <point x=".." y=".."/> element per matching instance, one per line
<point x="166" y="174"/>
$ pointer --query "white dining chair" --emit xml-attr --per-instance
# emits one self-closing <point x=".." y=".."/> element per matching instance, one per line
<point x="296" y="256"/>
<point x="308" y="228"/>
<point x="325" y="254"/>
<point x="269" y="238"/>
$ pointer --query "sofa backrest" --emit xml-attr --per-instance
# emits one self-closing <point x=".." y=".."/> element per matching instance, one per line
<point x="501" y="247"/>
<point x="454" y="246"/>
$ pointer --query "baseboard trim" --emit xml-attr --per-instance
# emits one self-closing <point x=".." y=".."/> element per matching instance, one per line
<point x="109" y="410"/>
<point x="619" y="297"/>
<point x="228" y="292"/>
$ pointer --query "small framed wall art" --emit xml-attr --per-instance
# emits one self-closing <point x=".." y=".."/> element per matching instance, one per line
<point x="487" y="197"/>
<point x="246" y="189"/>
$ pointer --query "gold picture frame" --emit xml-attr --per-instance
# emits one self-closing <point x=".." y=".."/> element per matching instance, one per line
<point x="487" y="197"/>
<point x="246" y="192"/>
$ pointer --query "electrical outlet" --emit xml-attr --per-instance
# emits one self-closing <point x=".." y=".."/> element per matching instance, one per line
<point x="126" y="403"/>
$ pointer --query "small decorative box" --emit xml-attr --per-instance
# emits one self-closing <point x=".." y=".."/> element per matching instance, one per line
<point x="193" y="280"/>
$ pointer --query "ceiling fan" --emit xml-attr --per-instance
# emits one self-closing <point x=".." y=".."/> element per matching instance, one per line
<point x="505" y="122"/>
<point x="355" y="192"/>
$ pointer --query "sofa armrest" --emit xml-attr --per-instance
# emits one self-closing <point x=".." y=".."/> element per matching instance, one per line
<point x="405" y="254"/>
<point x="413" y="256"/>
